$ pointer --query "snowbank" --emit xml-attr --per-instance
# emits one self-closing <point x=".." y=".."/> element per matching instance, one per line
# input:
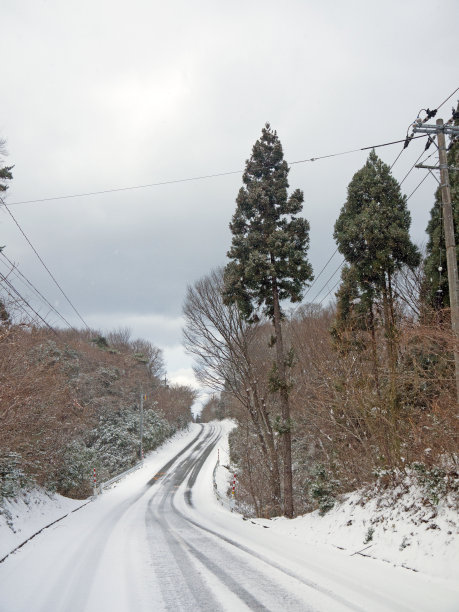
<point x="394" y="527"/>
<point x="397" y="525"/>
<point x="26" y="514"/>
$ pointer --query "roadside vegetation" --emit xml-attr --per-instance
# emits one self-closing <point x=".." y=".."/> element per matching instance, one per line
<point x="369" y="379"/>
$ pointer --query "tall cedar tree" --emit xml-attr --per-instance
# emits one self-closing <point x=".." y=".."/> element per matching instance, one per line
<point x="269" y="262"/>
<point x="435" y="286"/>
<point x="372" y="232"/>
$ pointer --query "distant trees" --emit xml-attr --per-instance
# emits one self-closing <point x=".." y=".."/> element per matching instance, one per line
<point x="268" y="263"/>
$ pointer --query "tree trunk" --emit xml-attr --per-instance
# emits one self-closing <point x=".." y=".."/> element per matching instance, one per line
<point x="274" y="462"/>
<point x="374" y="352"/>
<point x="285" y="408"/>
<point x="273" y="468"/>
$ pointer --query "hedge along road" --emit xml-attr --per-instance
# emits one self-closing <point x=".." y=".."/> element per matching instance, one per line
<point x="159" y="541"/>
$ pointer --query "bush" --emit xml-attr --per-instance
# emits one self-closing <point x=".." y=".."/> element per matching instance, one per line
<point x="112" y="447"/>
<point x="433" y="481"/>
<point x="323" y="489"/>
<point x="12" y="476"/>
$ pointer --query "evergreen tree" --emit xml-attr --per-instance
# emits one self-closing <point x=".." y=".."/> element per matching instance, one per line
<point x="5" y="319"/>
<point x="372" y="232"/>
<point x="5" y="171"/>
<point x="435" y="286"/>
<point x="269" y="262"/>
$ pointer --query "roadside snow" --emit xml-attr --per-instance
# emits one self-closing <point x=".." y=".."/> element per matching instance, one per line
<point x="395" y="526"/>
<point x="26" y="514"/>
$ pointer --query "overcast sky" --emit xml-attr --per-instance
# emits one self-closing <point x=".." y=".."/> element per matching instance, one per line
<point x="99" y="95"/>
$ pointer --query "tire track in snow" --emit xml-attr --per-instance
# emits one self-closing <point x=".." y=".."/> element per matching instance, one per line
<point x="74" y="594"/>
<point x="251" y="587"/>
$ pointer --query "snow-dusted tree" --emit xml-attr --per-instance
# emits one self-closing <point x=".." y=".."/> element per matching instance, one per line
<point x="5" y="171"/>
<point x="372" y="232"/>
<point x="269" y="262"/>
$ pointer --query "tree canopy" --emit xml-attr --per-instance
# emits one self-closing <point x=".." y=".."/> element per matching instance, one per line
<point x="372" y="230"/>
<point x="270" y="242"/>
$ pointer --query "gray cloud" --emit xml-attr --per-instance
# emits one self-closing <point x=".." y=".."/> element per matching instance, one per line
<point x="105" y="95"/>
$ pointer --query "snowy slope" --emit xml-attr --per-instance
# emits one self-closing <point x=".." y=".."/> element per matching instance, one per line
<point x="25" y="515"/>
<point x="403" y="529"/>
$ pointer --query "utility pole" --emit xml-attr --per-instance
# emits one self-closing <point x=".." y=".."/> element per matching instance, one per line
<point x="448" y="223"/>
<point x="141" y="425"/>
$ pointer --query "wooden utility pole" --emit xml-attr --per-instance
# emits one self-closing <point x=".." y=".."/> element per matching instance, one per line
<point x="448" y="224"/>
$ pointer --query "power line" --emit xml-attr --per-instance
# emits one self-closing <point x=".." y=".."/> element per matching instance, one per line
<point x="326" y="296"/>
<point x="416" y="188"/>
<point x="20" y="276"/>
<point x="329" y="279"/>
<point x="414" y="166"/>
<point x="318" y="276"/>
<point x="450" y="96"/>
<point x="44" y="265"/>
<point x="13" y="288"/>
<point x="199" y="178"/>
<point x="385" y="144"/>
<point x="429" y="114"/>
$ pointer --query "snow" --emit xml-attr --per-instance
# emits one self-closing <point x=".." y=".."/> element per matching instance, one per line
<point x="23" y="516"/>
<point x="100" y="557"/>
<point x="310" y="542"/>
<point x="405" y="530"/>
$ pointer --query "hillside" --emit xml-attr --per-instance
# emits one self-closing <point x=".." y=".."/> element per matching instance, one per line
<point x="70" y="403"/>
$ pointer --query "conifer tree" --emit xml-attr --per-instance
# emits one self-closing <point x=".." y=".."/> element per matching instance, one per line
<point x="5" y="171"/>
<point x="372" y="232"/>
<point x="269" y="262"/>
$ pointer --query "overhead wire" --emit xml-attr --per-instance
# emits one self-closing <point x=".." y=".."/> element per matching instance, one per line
<point x="429" y="115"/>
<point x="199" y="178"/>
<point x="318" y="276"/>
<point x="44" y="265"/>
<point x="329" y="279"/>
<point x="23" y="299"/>
<point x="21" y="276"/>
<point x="448" y="98"/>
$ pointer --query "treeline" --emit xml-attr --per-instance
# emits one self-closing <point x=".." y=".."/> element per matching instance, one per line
<point x="70" y="402"/>
<point x="370" y="379"/>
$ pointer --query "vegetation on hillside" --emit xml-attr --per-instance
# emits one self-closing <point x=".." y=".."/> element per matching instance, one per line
<point x="70" y="402"/>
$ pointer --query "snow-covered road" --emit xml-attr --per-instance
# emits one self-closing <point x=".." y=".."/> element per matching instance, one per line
<point x="160" y="541"/>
